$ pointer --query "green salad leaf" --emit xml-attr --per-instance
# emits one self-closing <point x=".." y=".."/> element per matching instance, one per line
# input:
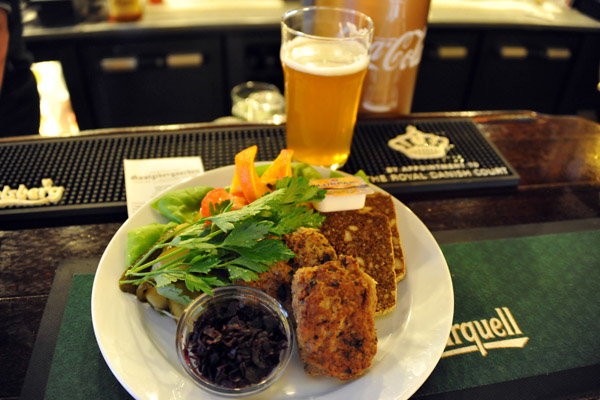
<point x="174" y="293"/>
<point x="181" y="205"/>
<point x="298" y="170"/>
<point x="360" y="173"/>
<point x="139" y="240"/>
<point x="306" y="171"/>
<point x="229" y="245"/>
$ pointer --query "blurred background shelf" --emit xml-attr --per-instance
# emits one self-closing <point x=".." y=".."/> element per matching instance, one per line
<point x="179" y="62"/>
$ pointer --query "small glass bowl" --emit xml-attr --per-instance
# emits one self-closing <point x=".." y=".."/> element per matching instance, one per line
<point x="226" y="294"/>
<point x="257" y="102"/>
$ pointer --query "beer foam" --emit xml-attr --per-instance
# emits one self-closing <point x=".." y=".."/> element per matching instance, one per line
<point x="333" y="58"/>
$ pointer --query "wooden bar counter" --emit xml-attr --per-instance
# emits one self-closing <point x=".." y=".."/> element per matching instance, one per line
<point x="557" y="158"/>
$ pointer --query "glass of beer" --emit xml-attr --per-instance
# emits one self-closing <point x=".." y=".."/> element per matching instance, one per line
<point x="325" y="55"/>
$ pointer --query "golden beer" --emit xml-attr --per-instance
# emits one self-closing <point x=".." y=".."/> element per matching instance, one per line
<point x="323" y="81"/>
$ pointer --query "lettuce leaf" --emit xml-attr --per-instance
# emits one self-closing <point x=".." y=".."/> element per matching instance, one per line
<point x="360" y="173"/>
<point x="181" y="205"/>
<point x="142" y="239"/>
<point x="305" y="171"/>
<point x="260" y="169"/>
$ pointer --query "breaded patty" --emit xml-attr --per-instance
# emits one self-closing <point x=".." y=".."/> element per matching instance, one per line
<point x="367" y="237"/>
<point x="276" y="282"/>
<point x="334" y="307"/>
<point x="310" y="246"/>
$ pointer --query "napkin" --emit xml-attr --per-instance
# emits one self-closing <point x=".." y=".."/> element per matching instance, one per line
<point x="148" y="177"/>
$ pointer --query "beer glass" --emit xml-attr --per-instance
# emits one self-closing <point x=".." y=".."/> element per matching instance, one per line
<point x="325" y="55"/>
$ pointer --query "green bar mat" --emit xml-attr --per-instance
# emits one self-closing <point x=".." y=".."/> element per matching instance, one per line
<point x="525" y="324"/>
<point x="525" y="308"/>
<point x="78" y="369"/>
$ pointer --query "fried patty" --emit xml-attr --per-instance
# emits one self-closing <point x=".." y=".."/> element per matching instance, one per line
<point x="276" y="282"/>
<point x="334" y="307"/>
<point x="310" y="247"/>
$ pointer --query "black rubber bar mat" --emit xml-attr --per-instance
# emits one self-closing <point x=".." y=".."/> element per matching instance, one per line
<point x="90" y="168"/>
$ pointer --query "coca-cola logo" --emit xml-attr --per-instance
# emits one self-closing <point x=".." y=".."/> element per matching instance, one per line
<point x="397" y="53"/>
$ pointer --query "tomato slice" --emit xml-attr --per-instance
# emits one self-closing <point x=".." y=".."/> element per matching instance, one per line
<point x="217" y="196"/>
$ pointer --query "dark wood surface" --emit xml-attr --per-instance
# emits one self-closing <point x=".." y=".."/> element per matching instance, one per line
<point x="557" y="157"/>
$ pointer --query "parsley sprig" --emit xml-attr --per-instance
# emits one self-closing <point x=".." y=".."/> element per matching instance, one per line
<point x="237" y="244"/>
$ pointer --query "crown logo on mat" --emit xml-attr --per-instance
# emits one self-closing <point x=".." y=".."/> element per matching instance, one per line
<point x="419" y="145"/>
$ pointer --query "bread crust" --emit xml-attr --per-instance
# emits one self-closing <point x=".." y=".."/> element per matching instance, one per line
<point x="383" y="203"/>
<point x="367" y="237"/>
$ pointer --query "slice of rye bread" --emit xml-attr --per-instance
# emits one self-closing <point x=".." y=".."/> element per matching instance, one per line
<point x="367" y="237"/>
<point x="383" y="203"/>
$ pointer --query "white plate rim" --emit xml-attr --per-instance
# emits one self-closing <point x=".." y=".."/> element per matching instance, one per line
<point x="425" y="325"/>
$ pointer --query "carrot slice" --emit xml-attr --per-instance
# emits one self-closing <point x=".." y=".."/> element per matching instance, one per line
<point x="236" y="188"/>
<point x="249" y="181"/>
<point x="280" y="168"/>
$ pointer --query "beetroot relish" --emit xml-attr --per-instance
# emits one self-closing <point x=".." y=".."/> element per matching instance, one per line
<point x="235" y="344"/>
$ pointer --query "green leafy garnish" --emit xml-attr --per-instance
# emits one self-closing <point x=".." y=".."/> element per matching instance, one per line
<point x="235" y="245"/>
<point x="360" y="173"/>
<point x="181" y="205"/>
<point x="140" y="239"/>
<point x="306" y="171"/>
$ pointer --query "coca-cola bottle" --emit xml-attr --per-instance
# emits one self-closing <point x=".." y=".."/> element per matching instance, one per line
<point x="400" y="27"/>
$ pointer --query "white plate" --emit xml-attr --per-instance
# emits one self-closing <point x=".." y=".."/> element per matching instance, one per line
<point x="138" y="344"/>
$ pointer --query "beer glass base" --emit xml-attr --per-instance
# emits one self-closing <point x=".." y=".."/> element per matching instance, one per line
<point x="335" y="166"/>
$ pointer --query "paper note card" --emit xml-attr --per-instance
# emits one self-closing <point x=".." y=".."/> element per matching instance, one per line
<point x="144" y="179"/>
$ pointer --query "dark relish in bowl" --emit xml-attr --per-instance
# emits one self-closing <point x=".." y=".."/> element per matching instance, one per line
<point x="235" y="344"/>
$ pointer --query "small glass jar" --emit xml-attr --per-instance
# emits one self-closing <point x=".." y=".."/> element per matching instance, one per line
<point x="258" y="102"/>
<point x="223" y="296"/>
